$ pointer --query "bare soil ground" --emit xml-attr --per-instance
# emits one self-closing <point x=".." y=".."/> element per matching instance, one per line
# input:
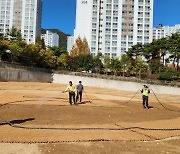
<point x="105" y="122"/>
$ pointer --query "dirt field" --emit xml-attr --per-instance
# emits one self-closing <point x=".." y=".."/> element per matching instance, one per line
<point x="105" y="122"/>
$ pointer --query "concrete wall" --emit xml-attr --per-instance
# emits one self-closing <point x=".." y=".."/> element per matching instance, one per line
<point x="7" y="74"/>
<point x="112" y="84"/>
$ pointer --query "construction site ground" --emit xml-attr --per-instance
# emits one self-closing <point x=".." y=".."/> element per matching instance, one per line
<point x="37" y="118"/>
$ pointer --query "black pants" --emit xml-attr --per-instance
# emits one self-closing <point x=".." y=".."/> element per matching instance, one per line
<point x="79" y="96"/>
<point x="72" y="96"/>
<point x="145" y="101"/>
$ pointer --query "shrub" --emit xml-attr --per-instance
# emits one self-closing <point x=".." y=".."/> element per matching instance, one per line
<point x="169" y="76"/>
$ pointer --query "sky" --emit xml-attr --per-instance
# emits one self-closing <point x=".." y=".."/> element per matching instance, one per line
<point x="60" y="14"/>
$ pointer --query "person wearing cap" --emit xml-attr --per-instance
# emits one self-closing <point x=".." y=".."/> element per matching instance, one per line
<point x="145" y="92"/>
<point x="72" y="92"/>
<point x="80" y="89"/>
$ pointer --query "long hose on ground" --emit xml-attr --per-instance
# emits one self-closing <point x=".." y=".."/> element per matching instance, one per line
<point x="89" y="128"/>
<point x="162" y="104"/>
<point x="100" y="128"/>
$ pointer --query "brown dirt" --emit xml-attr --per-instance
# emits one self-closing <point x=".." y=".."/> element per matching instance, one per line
<point x="43" y="105"/>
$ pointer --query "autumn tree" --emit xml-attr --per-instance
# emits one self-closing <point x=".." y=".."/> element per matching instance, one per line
<point x="80" y="48"/>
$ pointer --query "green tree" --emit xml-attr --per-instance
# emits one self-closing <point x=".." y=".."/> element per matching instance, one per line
<point x="125" y="64"/>
<point x="58" y="50"/>
<point x="14" y="34"/>
<point x="152" y="54"/>
<point x="41" y="42"/>
<point x="115" y="66"/>
<point x="1" y="36"/>
<point x="81" y="63"/>
<point x="3" y="47"/>
<point x="107" y="63"/>
<point x="30" y="55"/>
<point x="98" y="62"/>
<point x="139" y="67"/>
<point x="63" y="61"/>
<point x="16" y="49"/>
<point x="174" y="49"/>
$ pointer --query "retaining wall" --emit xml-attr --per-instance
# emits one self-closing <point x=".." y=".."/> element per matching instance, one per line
<point x="8" y="74"/>
<point x="112" y="84"/>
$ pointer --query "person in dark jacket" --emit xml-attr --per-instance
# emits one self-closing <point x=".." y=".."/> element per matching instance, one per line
<point x="145" y="92"/>
<point x="80" y="89"/>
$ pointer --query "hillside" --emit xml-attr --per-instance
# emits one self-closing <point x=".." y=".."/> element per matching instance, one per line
<point x="62" y="36"/>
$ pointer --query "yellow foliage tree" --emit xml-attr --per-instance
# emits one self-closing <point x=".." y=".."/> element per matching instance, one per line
<point x="81" y="48"/>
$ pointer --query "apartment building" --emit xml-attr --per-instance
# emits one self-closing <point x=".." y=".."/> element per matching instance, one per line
<point x="50" y="39"/>
<point x="70" y="43"/>
<point x="25" y="15"/>
<point x="113" y="26"/>
<point x="164" y="31"/>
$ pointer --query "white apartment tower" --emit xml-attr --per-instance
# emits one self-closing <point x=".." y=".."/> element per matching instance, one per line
<point x="164" y="31"/>
<point x="25" y="15"/>
<point x="51" y="39"/>
<point x="70" y="43"/>
<point x="113" y="26"/>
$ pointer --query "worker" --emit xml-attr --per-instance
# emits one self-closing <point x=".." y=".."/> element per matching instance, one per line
<point x="72" y="92"/>
<point x="145" y="91"/>
<point x="80" y="89"/>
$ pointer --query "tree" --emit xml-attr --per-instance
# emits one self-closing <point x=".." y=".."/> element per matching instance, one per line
<point x="107" y="62"/>
<point x="139" y="67"/>
<point x="98" y="61"/>
<point x="58" y="51"/>
<point x="135" y="51"/>
<point x="40" y="42"/>
<point x="48" y="57"/>
<point x="3" y="47"/>
<point x="1" y="36"/>
<point x="16" y="49"/>
<point x="115" y="65"/>
<point x="152" y="54"/>
<point x="30" y="55"/>
<point x="63" y="61"/>
<point x="125" y="64"/>
<point x="174" y="49"/>
<point x="80" y="48"/>
<point x="81" y="63"/>
<point x="14" y="34"/>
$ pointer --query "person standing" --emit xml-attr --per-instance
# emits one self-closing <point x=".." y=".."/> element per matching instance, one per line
<point x="80" y="89"/>
<point x="72" y="92"/>
<point x="145" y="91"/>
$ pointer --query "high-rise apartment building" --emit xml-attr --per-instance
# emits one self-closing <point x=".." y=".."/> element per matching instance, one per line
<point x="70" y="43"/>
<point x="50" y="39"/>
<point x="25" y="15"/>
<point x="113" y="26"/>
<point x="164" y="31"/>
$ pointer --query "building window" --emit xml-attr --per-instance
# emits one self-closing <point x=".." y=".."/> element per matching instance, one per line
<point x="113" y="54"/>
<point x="114" y="43"/>
<point x="123" y="43"/>
<point x="107" y="54"/>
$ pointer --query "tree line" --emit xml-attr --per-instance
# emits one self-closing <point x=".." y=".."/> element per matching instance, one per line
<point x="157" y="60"/>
